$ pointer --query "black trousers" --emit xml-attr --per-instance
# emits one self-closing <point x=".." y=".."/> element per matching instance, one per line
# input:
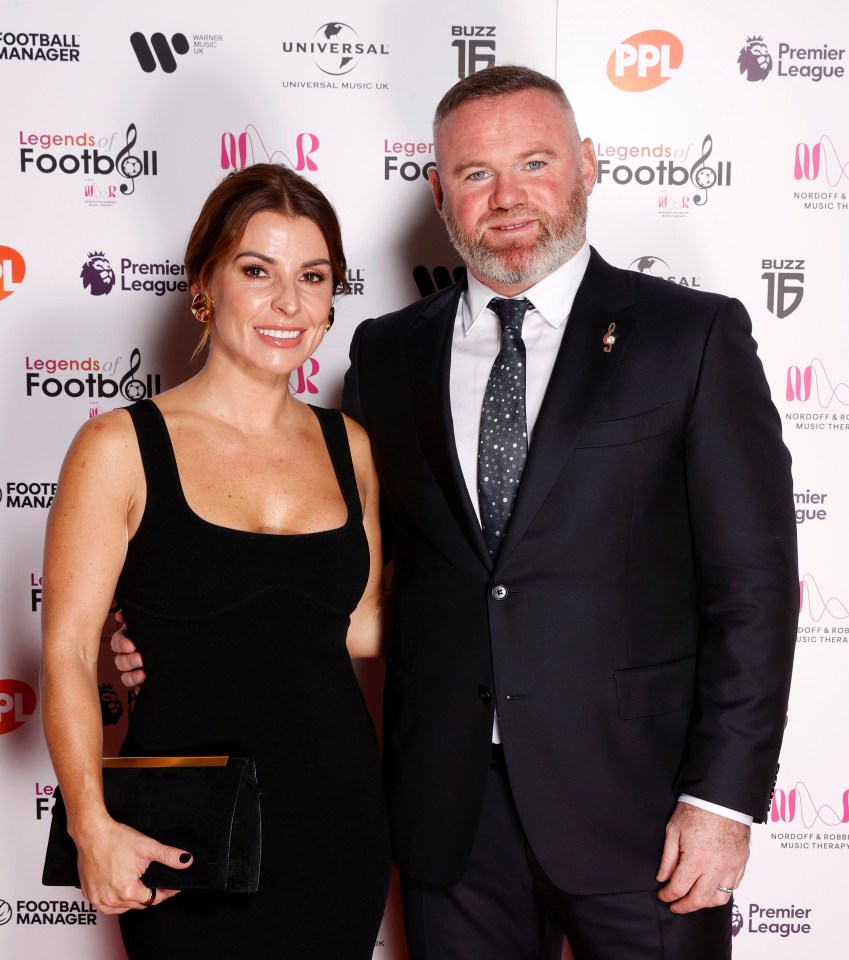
<point x="506" y="908"/>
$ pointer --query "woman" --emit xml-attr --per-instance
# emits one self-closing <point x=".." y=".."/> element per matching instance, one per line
<point x="227" y="511"/>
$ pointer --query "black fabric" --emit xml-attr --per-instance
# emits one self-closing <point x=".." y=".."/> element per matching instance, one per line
<point x="243" y="637"/>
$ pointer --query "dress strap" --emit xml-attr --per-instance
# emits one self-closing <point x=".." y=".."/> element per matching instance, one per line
<point x="157" y="454"/>
<point x="336" y="439"/>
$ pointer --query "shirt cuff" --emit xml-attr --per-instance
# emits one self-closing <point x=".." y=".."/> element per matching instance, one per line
<point x="716" y="808"/>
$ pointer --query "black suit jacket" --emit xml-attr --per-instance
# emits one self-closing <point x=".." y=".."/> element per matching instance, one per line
<point x="645" y="641"/>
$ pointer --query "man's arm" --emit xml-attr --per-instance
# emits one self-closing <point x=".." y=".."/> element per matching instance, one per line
<point x="741" y="515"/>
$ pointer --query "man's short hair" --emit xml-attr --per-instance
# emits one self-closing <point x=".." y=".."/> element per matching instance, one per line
<point x="495" y="82"/>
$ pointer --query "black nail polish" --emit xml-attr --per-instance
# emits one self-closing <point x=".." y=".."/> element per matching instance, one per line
<point x="185" y="857"/>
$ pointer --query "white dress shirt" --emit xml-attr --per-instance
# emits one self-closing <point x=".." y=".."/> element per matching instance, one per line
<point x="474" y="347"/>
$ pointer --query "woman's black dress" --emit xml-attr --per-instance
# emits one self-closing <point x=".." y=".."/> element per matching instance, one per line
<point x="243" y="637"/>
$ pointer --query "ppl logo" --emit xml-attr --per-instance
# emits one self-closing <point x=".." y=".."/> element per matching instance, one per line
<point x="755" y="60"/>
<point x="248" y="147"/>
<point x="644" y="61"/>
<point x="145" y="55"/>
<point x="97" y="275"/>
<point x="12" y="270"/>
<point x="17" y="704"/>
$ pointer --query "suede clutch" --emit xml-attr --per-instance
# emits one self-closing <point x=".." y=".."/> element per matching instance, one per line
<point x="209" y="806"/>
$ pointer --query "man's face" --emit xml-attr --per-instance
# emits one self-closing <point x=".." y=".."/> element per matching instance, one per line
<point x="511" y="185"/>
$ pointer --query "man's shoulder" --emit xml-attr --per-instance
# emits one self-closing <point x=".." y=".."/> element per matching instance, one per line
<point x="399" y="321"/>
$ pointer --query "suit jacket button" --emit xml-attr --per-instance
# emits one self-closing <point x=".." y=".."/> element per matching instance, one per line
<point x="499" y="592"/>
<point x="484" y="694"/>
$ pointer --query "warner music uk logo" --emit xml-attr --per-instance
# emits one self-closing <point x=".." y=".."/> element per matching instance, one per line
<point x="793" y="62"/>
<point x="645" y="60"/>
<point x="475" y="46"/>
<point x="158" y="50"/>
<point x="17" y="704"/>
<point x="12" y="270"/>
<point x="97" y="275"/>
<point x="248" y="147"/>
<point x="439" y="278"/>
<point x="784" y="285"/>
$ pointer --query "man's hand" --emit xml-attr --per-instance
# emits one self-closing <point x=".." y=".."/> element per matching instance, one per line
<point x="127" y="659"/>
<point x="702" y="852"/>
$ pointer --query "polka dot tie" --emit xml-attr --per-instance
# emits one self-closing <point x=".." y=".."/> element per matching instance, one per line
<point x="503" y="443"/>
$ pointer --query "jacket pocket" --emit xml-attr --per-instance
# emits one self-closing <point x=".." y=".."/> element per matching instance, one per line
<point x="661" y="688"/>
<point x="611" y="433"/>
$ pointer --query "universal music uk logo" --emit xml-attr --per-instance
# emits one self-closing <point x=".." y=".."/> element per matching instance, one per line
<point x="97" y="275"/>
<point x="336" y="50"/>
<point x="158" y="50"/>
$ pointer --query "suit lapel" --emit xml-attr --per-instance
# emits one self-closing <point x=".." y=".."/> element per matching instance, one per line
<point x="429" y="364"/>
<point x="579" y="380"/>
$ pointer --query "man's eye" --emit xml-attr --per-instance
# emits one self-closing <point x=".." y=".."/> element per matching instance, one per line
<point x="535" y="164"/>
<point x="477" y="175"/>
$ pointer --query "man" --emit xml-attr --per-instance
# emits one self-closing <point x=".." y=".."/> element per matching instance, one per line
<point x="586" y="681"/>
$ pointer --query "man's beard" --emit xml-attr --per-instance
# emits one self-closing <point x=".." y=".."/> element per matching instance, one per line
<point x="522" y="262"/>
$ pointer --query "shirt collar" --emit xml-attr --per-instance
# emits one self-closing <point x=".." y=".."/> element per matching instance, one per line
<point x="552" y="296"/>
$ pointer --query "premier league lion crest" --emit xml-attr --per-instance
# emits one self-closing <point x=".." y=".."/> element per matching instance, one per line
<point x="755" y="60"/>
<point x="97" y="275"/>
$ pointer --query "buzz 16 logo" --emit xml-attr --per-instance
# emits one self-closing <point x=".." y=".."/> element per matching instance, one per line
<point x="645" y="60"/>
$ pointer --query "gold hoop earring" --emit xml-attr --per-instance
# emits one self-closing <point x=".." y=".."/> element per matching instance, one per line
<point x="202" y="308"/>
<point x="330" y="318"/>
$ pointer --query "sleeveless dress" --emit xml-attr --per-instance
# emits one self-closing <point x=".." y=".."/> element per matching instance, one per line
<point x="243" y="637"/>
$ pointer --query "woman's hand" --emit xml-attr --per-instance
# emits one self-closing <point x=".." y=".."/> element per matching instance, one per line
<point x="112" y="858"/>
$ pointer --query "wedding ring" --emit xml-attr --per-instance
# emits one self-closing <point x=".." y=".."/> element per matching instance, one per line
<point x="726" y="889"/>
<point x="151" y="899"/>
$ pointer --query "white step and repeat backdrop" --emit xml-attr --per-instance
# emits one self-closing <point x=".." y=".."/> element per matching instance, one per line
<point x="723" y="142"/>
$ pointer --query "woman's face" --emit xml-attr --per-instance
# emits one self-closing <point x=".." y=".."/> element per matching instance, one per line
<point x="272" y="294"/>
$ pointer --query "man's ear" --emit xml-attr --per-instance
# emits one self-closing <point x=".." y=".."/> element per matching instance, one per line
<point x="435" y="187"/>
<point x="589" y="166"/>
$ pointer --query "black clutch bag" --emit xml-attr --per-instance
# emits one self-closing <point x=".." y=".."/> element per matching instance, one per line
<point x="206" y="805"/>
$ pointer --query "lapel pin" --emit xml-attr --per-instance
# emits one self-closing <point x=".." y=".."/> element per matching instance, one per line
<point x="609" y="338"/>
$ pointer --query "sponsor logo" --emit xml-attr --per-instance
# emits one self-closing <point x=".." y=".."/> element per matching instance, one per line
<point x="43" y="798"/>
<point x="644" y="61"/>
<point x="754" y="60"/>
<point x="814" y="382"/>
<point x="782" y="921"/>
<point x="429" y="282"/>
<point x="111" y="709"/>
<point x="301" y="380"/>
<point x="97" y="275"/>
<point x="28" y="494"/>
<point x="72" y="913"/>
<point x="784" y="285"/>
<point x="96" y="379"/>
<point x="814" y="605"/>
<point x="474" y="51"/>
<point x="158" y="51"/>
<point x="799" y="806"/>
<point x="336" y="49"/>
<point x="61" y="47"/>
<point x="356" y="281"/>
<point x="36" y="587"/>
<point x="87" y="162"/>
<point x="680" y="185"/>
<point x="12" y="271"/>
<point x="394" y="164"/>
<point x="238" y="150"/>
<point x="795" y="63"/>
<point x="821" y="162"/>
<point x="17" y="704"/>
<point x="655" y="267"/>
<point x="5" y="912"/>
<point x="810" y="506"/>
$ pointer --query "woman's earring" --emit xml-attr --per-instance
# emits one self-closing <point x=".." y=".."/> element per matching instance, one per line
<point x="330" y="318"/>
<point x="202" y="308"/>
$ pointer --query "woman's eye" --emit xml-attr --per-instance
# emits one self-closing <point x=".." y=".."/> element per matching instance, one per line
<point x="311" y="276"/>
<point x="254" y="270"/>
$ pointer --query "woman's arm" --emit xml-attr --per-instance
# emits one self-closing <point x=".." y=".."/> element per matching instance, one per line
<point x="365" y="635"/>
<point x="87" y="535"/>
